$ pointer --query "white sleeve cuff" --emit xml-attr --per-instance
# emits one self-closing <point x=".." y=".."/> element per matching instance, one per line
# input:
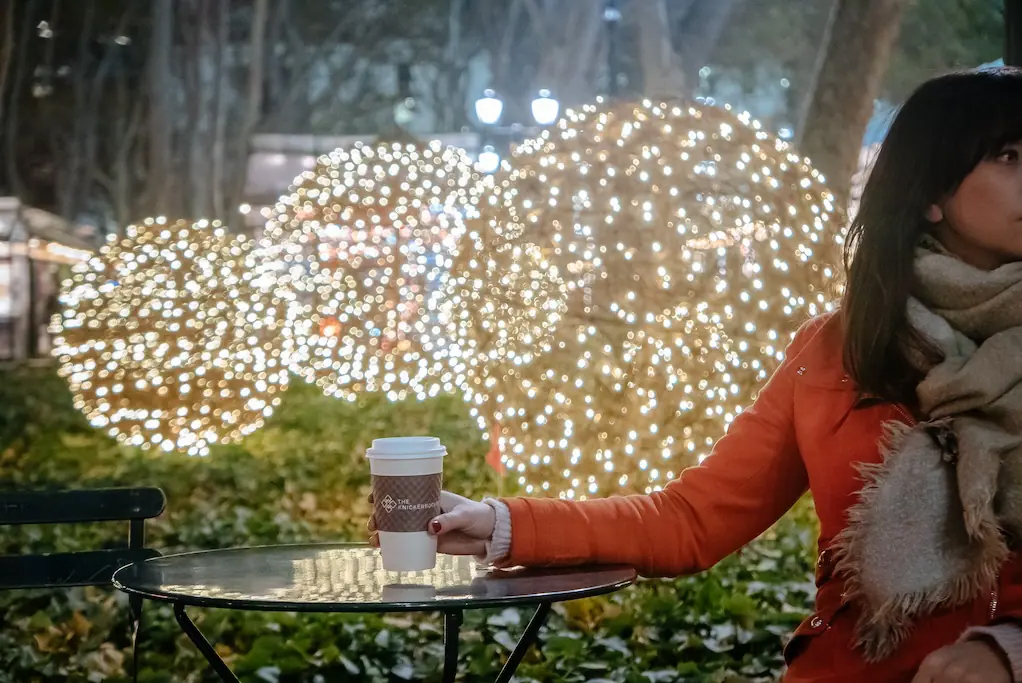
<point x="1008" y="637"/>
<point x="499" y="545"/>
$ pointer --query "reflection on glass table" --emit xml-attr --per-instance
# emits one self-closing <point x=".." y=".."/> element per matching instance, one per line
<point x="337" y="577"/>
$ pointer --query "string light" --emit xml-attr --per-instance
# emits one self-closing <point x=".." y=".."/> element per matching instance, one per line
<point x="167" y="341"/>
<point x="692" y="244"/>
<point x="361" y="241"/>
<point x="498" y="305"/>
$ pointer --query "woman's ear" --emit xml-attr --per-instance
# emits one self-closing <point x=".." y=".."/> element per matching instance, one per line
<point x="934" y="214"/>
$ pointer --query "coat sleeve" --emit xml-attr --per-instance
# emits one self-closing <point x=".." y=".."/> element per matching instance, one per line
<point x="1006" y="637"/>
<point x="751" y="478"/>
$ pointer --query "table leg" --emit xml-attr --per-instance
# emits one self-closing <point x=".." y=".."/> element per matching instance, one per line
<point x="524" y="643"/>
<point x="452" y="628"/>
<point x="135" y="609"/>
<point x="192" y="631"/>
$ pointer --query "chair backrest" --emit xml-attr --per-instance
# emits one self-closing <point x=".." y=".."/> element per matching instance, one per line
<point x="84" y="568"/>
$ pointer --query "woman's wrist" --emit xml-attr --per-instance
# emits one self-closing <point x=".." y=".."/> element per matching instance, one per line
<point x="498" y="546"/>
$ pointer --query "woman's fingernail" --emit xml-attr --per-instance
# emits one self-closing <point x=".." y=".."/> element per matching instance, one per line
<point x="435" y="526"/>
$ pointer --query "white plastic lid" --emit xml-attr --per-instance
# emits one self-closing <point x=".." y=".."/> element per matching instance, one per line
<point x="401" y="447"/>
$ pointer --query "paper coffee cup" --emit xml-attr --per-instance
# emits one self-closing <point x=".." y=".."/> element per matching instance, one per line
<point x="407" y="476"/>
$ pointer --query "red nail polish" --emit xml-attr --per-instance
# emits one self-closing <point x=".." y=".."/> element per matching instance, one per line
<point x="435" y="525"/>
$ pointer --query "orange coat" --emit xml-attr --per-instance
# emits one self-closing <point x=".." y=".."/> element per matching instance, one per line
<point x="804" y="431"/>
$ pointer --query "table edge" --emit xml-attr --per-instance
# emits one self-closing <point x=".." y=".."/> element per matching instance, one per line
<point x="353" y="608"/>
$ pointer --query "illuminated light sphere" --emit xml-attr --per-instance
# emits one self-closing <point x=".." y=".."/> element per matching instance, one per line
<point x="361" y="241"/>
<point x="692" y="244"/>
<point x="167" y="342"/>
<point x="498" y="306"/>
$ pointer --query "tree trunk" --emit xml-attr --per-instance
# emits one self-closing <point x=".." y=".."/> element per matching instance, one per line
<point x="195" y="167"/>
<point x="849" y="81"/>
<point x="122" y="174"/>
<point x="814" y="80"/>
<point x="278" y="67"/>
<point x="676" y="39"/>
<point x="73" y="173"/>
<point x="161" y="182"/>
<point x="454" y="67"/>
<point x="1013" y="32"/>
<point x="6" y="54"/>
<point x="502" y="58"/>
<point x="92" y="129"/>
<point x="20" y="65"/>
<point x="253" y="106"/>
<point x="698" y="35"/>
<point x="571" y="32"/>
<point x="662" y="71"/>
<point x="220" y="110"/>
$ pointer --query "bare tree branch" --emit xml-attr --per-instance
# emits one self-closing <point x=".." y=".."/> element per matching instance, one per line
<point x="297" y="84"/>
<point x="699" y="34"/>
<point x="539" y="20"/>
<point x="105" y="181"/>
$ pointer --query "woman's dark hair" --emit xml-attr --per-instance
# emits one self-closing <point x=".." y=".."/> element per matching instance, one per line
<point x="939" y="135"/>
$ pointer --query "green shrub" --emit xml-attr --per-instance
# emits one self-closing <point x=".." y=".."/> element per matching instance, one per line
<point x="303" y="478"/>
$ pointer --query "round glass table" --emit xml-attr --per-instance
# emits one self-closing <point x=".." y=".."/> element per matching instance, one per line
<point x="343" y="577"/>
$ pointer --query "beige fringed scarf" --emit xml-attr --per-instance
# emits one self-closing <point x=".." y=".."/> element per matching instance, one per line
<point x="929" y="529"/>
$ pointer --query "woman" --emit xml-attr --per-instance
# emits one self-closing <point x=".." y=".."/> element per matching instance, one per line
<point x="902" y="414"/>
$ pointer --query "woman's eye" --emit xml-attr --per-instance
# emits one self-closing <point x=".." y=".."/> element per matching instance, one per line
<point x="1009" y="154"/>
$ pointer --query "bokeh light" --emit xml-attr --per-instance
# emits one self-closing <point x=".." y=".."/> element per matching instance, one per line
<point x="498" y="306"/>
<point x="692" y="244"/>
<point x="360" y="243"/>
<point x="166" y="340"/>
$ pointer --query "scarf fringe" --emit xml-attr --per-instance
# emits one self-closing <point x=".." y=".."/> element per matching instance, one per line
<point x="881" y="628"/>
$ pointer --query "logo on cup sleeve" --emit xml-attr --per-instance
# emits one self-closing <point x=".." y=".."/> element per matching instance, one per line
<point x="406" y="504"/>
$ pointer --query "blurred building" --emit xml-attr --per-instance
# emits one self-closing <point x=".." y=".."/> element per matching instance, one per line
<point x="277" y="159"/>
<point x="37" y="250"/>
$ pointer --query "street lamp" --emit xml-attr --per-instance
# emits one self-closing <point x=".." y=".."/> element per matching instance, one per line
<point x="489" y="160"/>
<point x="545" y="108"/>
<point x="612" y="18"/>
<point x="489" y="108"/>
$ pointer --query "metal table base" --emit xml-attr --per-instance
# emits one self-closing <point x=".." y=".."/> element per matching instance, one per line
<point x="452" y="627"/>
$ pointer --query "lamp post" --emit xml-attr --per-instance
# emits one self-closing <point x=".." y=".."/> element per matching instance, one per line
<point x="489" y="109"/>
<point x="488" y="161"/>
<point x="545" y="108"/>
<point x="612" y="18"/>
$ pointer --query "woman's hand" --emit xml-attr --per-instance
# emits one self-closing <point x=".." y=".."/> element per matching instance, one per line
<point x="462" y="529"/>
<point x="971" y="661"/>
